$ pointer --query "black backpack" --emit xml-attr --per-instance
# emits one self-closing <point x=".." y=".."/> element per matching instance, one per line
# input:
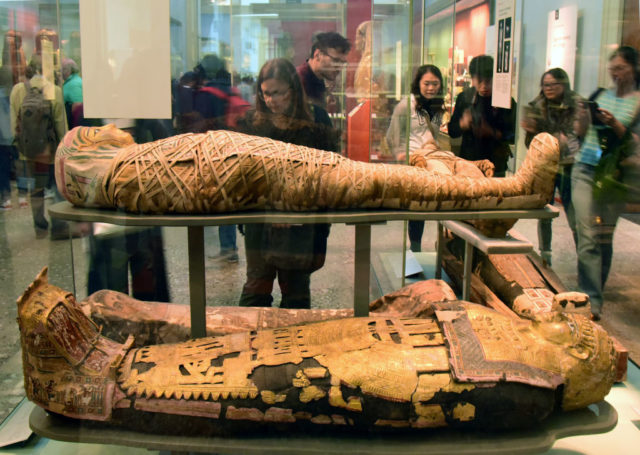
<point x="36" y="131"/>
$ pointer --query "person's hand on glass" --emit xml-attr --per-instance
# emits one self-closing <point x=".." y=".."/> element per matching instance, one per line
<point x="485" y="130"/>
<point x="531" y="120"/>
<point x="466" y="120"/>
<point x="529" y="125"/>
<point x="582" y="119"/>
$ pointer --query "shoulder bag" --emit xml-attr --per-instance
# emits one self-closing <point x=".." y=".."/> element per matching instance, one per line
<point x="611" y="175"/>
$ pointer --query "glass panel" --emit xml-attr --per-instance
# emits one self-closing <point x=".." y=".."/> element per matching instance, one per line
<point x="31" y="50"/>
<point x="380" y="82"/>
<point x="226" y="42"/>
<point x="554" y="36"/>
<point x="393" y="44"/>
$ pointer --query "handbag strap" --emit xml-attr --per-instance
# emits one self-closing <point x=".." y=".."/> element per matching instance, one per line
<point x="623" y="148"/>
<point x="628" y="151"/>
<point x="596" y="93"/>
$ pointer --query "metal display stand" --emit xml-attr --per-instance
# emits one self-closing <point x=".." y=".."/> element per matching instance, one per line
<point x="362" y="219"/>
<point x="511" y="244"/>
<point x="597" y="418"/>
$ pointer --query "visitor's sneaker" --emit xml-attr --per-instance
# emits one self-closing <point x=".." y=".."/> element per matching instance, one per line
<point x="6" y="205"/>
<point x="546" y="257"/>
<point x="49" y="193"/>
<point x="65" y="232"/>
<point x="228" y="256"/>
<point x="23" y="203"/>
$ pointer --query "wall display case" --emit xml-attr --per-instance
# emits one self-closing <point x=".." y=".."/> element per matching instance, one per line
<point x="390" y="40"/>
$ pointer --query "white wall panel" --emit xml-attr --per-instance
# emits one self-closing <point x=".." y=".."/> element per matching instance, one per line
<point x="126" y="58"/>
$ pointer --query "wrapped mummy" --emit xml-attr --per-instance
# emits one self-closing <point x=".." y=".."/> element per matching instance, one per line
<point x="223" y="171"/>
<point x="461" y="365"/>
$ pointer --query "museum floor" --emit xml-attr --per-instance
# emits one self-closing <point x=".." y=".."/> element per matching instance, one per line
<point x="22" y="256"/>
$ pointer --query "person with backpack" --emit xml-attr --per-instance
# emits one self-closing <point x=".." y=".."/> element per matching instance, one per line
<point x="207" y="101"/>
<point x="38" y="122"/>
<point x="6" y="139"/>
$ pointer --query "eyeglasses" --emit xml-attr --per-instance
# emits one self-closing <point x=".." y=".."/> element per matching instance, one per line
<point x="335" y="60"/>
<point x="551" y="84"/>
<point x="618" y="68"/>
<point x="274" y="96"/>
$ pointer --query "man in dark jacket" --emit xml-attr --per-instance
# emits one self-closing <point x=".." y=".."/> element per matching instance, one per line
<point x="328" y="57"/>
<point x="486" y="131"/>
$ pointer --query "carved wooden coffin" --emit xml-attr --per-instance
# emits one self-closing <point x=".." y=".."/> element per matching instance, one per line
<point x="120" y="315"/>
<point x="460" y="365"/>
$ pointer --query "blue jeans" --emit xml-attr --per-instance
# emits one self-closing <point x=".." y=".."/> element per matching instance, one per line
<point x="416" y="229"/>
<point x="38" y="174"/>
<point x="595" y="223"/>
<point x="24" y="182"/>
<point x="563" y="184"/>
<point x="227" y="235"/>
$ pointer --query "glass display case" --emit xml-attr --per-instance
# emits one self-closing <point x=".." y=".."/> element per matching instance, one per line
<point x="172" y="51"/>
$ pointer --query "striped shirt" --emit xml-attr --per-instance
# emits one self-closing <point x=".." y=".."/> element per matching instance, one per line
<point x="624" y="109"/>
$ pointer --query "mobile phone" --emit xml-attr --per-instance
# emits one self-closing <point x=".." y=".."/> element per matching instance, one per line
<point x="593" y="108"/>
<point x="531" y="112"/>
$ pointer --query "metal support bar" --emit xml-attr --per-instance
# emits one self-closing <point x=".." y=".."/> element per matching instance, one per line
<point x="197" y="294"/>
<point x="361" y="218"/>
<point x="73" y="263"/>
<point x="362" y="272"/>
<point x="439" y="248"/>
<point x="466" y="275"/>
<point x="513" y="243"/>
